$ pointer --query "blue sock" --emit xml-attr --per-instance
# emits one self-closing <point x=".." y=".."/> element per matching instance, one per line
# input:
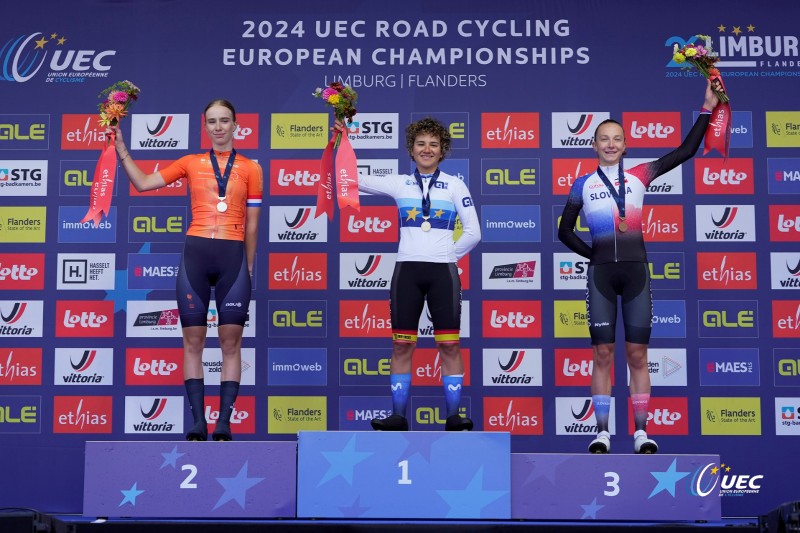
<point x="401" y="386"/>
<point x="602" y="406"/>
<point x="195" y="393"/>
<point x="452" y="393"/>
<point x="228" y="391"/>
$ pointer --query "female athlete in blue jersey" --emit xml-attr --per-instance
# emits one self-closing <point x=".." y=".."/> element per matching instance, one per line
<point x="611" y="198"/>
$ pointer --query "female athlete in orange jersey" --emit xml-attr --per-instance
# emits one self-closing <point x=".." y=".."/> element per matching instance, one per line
<point x="226" y="190"/>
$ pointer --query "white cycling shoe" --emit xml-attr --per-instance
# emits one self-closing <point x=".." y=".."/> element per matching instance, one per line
<point x="602" y="444"/>
<point x="643" y="444"/>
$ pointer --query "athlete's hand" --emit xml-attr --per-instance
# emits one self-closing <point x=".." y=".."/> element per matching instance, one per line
<point x="119" y="140"/>
<point x="711" y="99"/>
<point x="338" y="127"/>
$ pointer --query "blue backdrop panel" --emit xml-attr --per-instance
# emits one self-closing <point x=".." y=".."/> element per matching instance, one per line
<point x="90" y="348"/>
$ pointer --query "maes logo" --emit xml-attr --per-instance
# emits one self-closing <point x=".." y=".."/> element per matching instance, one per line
<point x="23" y="57"/>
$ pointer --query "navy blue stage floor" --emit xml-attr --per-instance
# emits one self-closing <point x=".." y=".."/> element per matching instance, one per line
<point x="31" y="521"/>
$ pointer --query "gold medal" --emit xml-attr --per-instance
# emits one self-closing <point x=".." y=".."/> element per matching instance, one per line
<point x="623" y="226"/>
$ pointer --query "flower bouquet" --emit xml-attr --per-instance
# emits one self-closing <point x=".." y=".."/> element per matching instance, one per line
<point x="703" y="59"/>
<point x="117" y="99"/>
<point x="342" y="98"/>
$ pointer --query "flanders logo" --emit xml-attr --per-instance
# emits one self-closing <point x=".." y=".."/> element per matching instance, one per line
<point x="290" y="414"/>
<point x="22" y="224"/>
<point x="299" y="130"/>
<point x="570" y="319"/>
<point x="783" y="129"/>
<point x="730" y="416"/>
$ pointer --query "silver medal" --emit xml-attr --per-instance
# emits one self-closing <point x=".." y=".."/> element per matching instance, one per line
<point x="425" y="226"/>
<point x="222" y="206"/>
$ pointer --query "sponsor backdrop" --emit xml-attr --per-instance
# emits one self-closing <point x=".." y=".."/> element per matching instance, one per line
<point x="91" y="346"/>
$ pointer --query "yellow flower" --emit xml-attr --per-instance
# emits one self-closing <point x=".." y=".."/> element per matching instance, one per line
<point x="691" y="52"/>
<point x="679" y="58"/>
<point x="334" y="99"/>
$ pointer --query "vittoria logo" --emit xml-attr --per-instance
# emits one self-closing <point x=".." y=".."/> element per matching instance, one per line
<point x="153" y="414"/>
<point x="725" y="223"/>
<point x="296" y="224"/>
<point x="365" y="271"/>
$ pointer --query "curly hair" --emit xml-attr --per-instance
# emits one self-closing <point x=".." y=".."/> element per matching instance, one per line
<point x="429" y="126"/>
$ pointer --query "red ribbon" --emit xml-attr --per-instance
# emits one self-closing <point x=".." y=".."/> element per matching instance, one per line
<point x="718" y="134"/>
<point x="102" y="184"/>
<point x="346" y="177"/>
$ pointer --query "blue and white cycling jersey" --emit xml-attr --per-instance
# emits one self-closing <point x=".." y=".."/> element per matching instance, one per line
<point x="449" y="198"/>
<point x="600" y="208"/>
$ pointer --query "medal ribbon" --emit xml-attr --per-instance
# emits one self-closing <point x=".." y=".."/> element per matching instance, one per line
<point x="222" y="180"/>
<point x="619" y="197"/>
<point x="426" y="195"/>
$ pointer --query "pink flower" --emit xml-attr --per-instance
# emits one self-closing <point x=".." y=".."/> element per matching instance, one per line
<point x="119" y="96"/>
<point x="328" y="92"/>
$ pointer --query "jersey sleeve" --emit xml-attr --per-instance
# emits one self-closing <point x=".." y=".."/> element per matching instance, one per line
<point x="465" y="207"/>
<point x="381" y="185"/>
<point x="569" y="217"/>
<point x="176" y="170"/>
<point x="255" y="185"/>
<point x="681" y="154"/>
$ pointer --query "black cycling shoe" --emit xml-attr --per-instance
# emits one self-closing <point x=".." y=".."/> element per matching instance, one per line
<point x="458" y="423"/>
<point x="222" y="432"/>
<point x="198" y="432"/>
<point x="390" y="423"/>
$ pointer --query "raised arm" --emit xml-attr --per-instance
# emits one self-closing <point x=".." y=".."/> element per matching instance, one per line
<point x="141" y="181"/>
<point x="692" y="141"/>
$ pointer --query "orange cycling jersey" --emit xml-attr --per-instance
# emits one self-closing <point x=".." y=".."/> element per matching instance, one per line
<point x="245" y="189"/>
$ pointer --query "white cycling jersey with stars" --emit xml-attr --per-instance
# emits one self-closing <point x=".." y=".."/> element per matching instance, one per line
<point x="450" y="198"/>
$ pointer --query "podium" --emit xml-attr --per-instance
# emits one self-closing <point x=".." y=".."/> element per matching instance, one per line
<point x="393" y="475"/>
<point x="190" y="479"/>
<point x="410" y="474"/>
<point x="615" y="487"/>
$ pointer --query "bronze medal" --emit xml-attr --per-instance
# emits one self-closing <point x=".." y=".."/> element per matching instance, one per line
<point x="623" y="226"/>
